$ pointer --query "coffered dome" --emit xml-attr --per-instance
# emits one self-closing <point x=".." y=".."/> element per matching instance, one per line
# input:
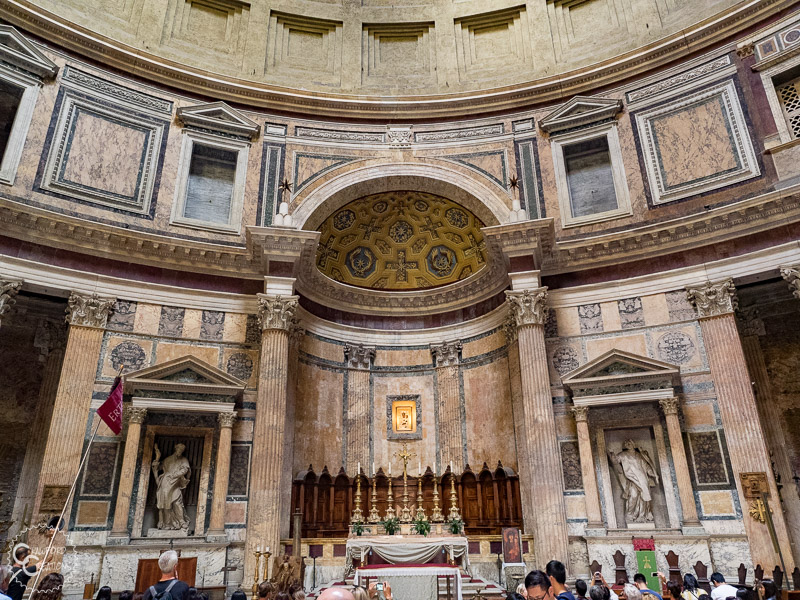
<point x="401" y="241"/>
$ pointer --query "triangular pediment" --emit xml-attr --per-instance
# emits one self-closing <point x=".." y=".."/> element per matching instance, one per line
<point x="187" y="374"/>
<point x="618" y="367"/>
<point x="580" y="111"/>
<point x="17" y="50"/>
<point x="218" y="117"/>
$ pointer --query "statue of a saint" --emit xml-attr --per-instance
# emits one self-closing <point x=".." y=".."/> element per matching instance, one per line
<point x="636" y="474"/>
<point x="284" y="575"/>
<point x="170" y="483"/>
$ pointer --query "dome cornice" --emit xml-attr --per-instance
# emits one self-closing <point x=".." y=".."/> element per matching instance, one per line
<point x="113" y="53"/>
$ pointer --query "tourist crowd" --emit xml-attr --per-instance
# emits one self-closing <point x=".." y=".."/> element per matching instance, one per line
<point x="550" y="584"/>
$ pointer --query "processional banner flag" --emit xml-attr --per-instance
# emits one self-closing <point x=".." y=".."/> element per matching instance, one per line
<point x="111" y="410"/>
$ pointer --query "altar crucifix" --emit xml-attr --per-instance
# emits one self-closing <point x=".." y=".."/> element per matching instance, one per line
<point x="405" y="456"/>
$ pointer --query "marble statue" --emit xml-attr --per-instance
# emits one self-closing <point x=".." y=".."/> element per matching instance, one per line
<point x="636" y="474"/>
<point x="170" y="483"/>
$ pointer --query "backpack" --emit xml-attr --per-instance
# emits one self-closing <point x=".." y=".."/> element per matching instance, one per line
<point x="165" y="595"/>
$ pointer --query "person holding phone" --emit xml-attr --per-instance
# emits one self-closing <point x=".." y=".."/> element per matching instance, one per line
<point x="380" y="591"/>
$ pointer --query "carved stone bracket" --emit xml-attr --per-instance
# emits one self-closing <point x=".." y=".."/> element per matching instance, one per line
<point x="713" y="299"/>
<point x="136" y="414"/>
<point x="792" y="275"/>
<point x="669" y="405"/>
<point x="745" y="49"/>
<point x="226" y="419"/>
<point x="89" y="311"/>
<point x="528" y="307"/>
<point x="9" y="288"/>
<point x="581" y="413"/>
<point x="277" y="312"/>
<point x="446" y="354"/>
<point x="359" y="356"/>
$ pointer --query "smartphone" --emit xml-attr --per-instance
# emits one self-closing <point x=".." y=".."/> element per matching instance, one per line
<point x="653" y="574"/>
<point x="378" y="587"/>
<point x="597" y="576"/>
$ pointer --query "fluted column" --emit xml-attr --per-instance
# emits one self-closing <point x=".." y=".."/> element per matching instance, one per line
<point x="715" y="303"/>
<point x="9" y="288"/>
<point x="451" y="439"/>
<point x="53" y="338"/>
<point x="594" y="513"/>
<point x="135" y="416"/>
<point x="684" y="481"/>
<point x="216" y="526"/>
<point x="357" y="424"/>
<point x="276" y="316"/>
<point x="87" y="316"/>
<point x="546" y="478"/>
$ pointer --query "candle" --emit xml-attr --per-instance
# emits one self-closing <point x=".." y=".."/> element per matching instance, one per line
<point x="419" y="467"/>
<point x="267" y="549"/>
<point x="373" y="468"/>
<point x="451" y="466"/>
<point x="390" y="468"/>
<point x="359" y="469"/>
<point x="258" y="548"/>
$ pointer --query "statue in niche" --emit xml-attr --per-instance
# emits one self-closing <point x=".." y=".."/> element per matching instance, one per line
<point x="636" y="474"/>
<point x="171" y="482"/>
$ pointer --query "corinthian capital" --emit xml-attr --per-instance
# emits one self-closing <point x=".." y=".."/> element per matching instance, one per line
<point x="9" y="288"/>
<point x="446" y="354"/>
<point x="669" y="406"/>
<point x="226" y="419"/>
<point x="88" y="311"/>
<point x="792" y="275"/>
<point x="276" y="312"/>
<point x="581" y="413"/>
<point x="714" y="298"/>
<point x="136" y="414"/>
<point x="528" y="307"/>
<point x="358" y="356"/>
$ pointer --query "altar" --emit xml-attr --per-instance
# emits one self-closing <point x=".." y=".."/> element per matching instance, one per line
<point x="420" y="582"/>
<point x="407" y="550"/>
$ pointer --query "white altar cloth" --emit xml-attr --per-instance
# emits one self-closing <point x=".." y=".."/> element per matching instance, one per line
<point x="413" y="582"/>
<point x="398" y="549"/>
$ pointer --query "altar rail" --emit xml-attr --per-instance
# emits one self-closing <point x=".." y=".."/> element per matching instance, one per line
<point x="487" y="500"/>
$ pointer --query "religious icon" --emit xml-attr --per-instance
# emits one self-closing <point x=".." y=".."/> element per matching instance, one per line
<point x="512" y="545"/>
<point x="405" y="416"/>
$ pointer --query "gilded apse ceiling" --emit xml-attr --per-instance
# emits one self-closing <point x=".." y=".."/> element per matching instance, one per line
<point x="401" y="241"/>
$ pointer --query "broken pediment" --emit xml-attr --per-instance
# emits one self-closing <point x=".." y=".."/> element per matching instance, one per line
<point x="619" y="373"/>
<point x="184" y="375"/>
<point x="218" y="117"/>
<point x="18" y="51"/>
<point x="580" y="111"/>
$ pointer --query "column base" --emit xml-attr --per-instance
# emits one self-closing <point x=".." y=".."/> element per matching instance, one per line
<point x="216" y="536"/>
<point x="118" y="539"/>
<point x="595" y="530"/>
<point x="693" y="529"/>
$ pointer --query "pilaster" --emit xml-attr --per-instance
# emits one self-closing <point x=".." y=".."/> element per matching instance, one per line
<point x="216" y="526"/>
<point x="134" y="416"/>
<point x="446" y="358"/>
<point x="594" y="513"/>
<point x="357" y="426"/>
<point x="715" y="303"/>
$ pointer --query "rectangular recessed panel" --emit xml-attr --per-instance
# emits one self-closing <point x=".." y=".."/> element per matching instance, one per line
<point x="589" y="176"/>
<point x="209" y="191"/>
<point x="10" y="97"/>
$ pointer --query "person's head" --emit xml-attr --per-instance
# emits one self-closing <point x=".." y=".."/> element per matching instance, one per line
<point x="179" y="448"/>
<point x="674" y="589"/>
<point x="104" y="593"/>
<point x="557" y="573"/>
<point x="538" y="585"/>
<point x="266" y="589"/>
<point x="743" y="594"/>
<point x="22" y="551"/>
<point x="597" y="592"/>
<point x="521" y="590"/>
<point x="168" y="563"/>
<point x="360" y="593"/>
<point x="581" y="587"/>
<point x="238" y="595"/>
<point x="770" y="591"/>
<point x="689" y="582"/>
<point x="299" y="595"/>
<point x="640" y="581"/>
<point x="5" y="575"/>
<point x="632" y="592"/>
<point x="717" y="579"/>
<point x="49" y="588"/>
<point x="126" y="595"/>
<point x="629" y="445"/>
<point x="336" y="593"/>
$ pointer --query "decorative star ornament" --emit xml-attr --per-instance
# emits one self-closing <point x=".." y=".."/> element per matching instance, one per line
<point x="513" y="182"/>
<point x="285" y="186"/>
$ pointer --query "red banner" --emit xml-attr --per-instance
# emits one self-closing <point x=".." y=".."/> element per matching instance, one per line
<point x="111" y="410"/>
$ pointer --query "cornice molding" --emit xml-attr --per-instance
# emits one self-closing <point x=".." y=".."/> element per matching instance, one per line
<point x="127" y="58"/>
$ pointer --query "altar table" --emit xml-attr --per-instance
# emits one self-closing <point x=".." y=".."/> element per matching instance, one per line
<point x="420" y="582"/>
<point x="398" y="550"/>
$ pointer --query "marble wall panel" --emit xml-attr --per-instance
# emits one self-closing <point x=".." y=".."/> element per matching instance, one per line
<point x="728" y="554"/>
<point x="212" y="325"/>
<point x="192" y="323"/>
<point x="239" y="470"/>
<point x="699" y="415"/>
<point x="576" y="506"/>
<point x="318" y="418"/>
<point x="655" y="309"/>
<point x="123" y="316"/>
<point x="403" y="358"/>
<point x="590" y="318"/>
<point x="487" y="398"/>
<point x="92" y="512"/>
<point x="483" y="345"/>
<point x="242" y="431"/>
<point x="147" y="318"/>
<point x="98" y="476"/>
<point x="631" y="313"/>
<point x="236" y="513"/>
<point x="321" y="349"/>
<point x="170" y="322"/>
<point x="612" y="316"/>
<point x="568" y="321"/>
<point x="571" y="465"/>
<point x="679" y="307"/>
<point x="708" y="462"/>
<point x="636" y="344"/>
<point x="169" y="351"/>
<point x="717" y="503"/>
<point x="131" y="353"/>
<point x="565" y="356"/>
<point x="242" y="364"/>
<point x="679" y="346"/>
<point x="235" y="328"/>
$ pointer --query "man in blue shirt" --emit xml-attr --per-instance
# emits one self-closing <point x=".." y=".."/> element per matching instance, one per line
<point x="557" y="573"/>
<point x="641" y="582"/>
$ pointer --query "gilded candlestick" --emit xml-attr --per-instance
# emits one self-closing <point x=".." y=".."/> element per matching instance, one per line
<point x="390" y="512"/>
<point x="374" y="516"/>
<point x="405" y="514"/>
<point x="358" y="516"/>
<point x="257" y="554"/>
<point x="420" y="516"/>
<point x="267" y="554"/>
<point x="437" y="516"/>
<point x="454" y="514"/>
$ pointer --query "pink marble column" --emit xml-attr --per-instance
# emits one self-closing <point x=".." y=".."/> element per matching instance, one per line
<point x="594" y="513"/>
<point x="544" y="459"/>
<point x="451" y="439"/>
<point x="359" y="359"/>
<point x="684" y="481"/>
<point x="715" y="304"/>
<point x="276" y="315"/>
<point x="216" y="524"/>
<point x="135" y="417"/>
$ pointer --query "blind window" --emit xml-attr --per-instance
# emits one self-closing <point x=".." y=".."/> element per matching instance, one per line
<point x="209" y="191"/>
<point x="10" y="98"/>
<point x="589" y="177"/>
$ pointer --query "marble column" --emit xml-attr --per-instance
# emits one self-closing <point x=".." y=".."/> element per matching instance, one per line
<point x="359" y="402"/>
<point x="715" y="304"/>
<point x="135" y="416"/>
<point x="9" y="288"/>
<point x="216" y="525"/>
<point x="50" y="339"/>
<point x="684" y="481"/>
<point x="451" y="438"/>
<point x="276" y="317"/>
<point x="594" y="513"/>
<point x="87" y="316"/>
<point x="550" y="536"/>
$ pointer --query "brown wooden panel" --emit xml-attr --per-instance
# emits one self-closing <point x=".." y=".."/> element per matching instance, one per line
<point x="148" y="573"/>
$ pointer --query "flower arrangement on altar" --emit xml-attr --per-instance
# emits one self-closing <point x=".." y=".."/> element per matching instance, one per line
<point x="391" y="525"/>
<point x="456" y="526"/>
<point x="421" y="526"/>
<point x="357" y="527"/>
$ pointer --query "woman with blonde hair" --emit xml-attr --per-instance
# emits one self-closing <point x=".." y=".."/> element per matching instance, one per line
<point x="359" y="593"/>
